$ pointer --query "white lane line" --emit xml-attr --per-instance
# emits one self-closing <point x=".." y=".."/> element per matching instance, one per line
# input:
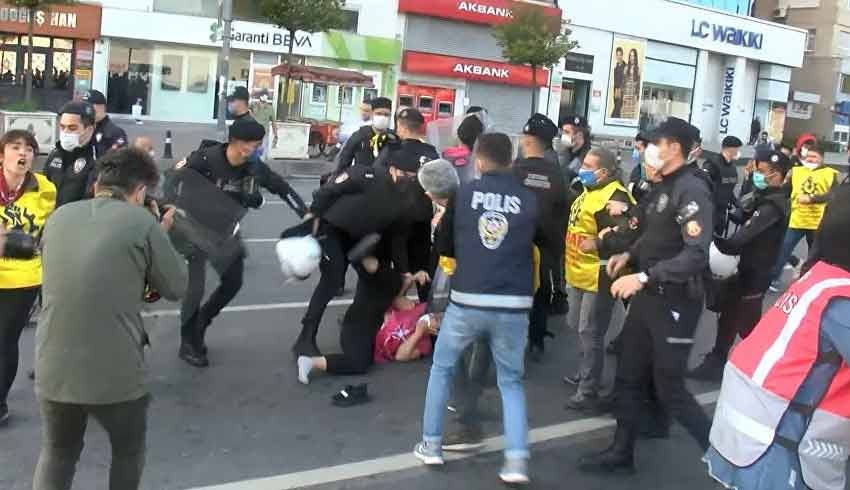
<point x="406" y="461"/>
<point x="247" y="308"/>
<point x="261" y="240"/>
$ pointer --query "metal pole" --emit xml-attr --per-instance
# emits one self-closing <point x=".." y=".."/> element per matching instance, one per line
<point x="226" y="11"/>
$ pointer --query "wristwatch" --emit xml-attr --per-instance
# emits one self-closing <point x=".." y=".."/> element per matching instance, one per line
<point x="643" y="277"/>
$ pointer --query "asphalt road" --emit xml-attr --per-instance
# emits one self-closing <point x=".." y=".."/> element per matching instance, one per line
<point x="247" y="418"/>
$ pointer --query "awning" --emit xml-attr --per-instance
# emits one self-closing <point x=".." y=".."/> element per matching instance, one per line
<point x="333" y="76"/>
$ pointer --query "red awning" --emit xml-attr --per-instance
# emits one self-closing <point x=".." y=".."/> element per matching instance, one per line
<point x="331" y="76"/>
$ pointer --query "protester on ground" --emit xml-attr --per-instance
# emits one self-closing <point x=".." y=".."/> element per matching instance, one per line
<point x="26" y="200"/>
<point x="364" y="146"/>
<point x="783" y="419"/>
<point x="70" y="166"/>
<point x="672" y="261"/>
<point x="811" y="189"/>
<point x="107" y="134"/>
<point x="406" y="332"/>
<point x="589" y="215"/>
<point x="90" y="340"/>
<point x="757" y="243"/>
<point x="495" y="222"/>
<point x="724" y="176"/>
<point x="239" y="177"/>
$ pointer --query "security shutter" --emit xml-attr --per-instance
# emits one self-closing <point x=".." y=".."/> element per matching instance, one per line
<point x="438" y="36"/>
<point x="508" y="106"/>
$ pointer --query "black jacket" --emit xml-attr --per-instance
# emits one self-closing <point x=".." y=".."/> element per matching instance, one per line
<point x="108" y="136"/>
<point x="758" y="241"/>
<point x="72" y="172"/>
<point x="547" y="182"/>
<point x="724" y="177"/>
<point x="363" y="147"/>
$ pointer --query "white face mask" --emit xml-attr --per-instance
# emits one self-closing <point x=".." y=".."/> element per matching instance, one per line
<point x="69" y="141"/>
<point x="152" y="154"/>
<point x="652" y="158"/>
<point x="737" y="156"/>
<point x="567" y="140"/>
<point x="811" y="166"/>
<point x="804" y="152"/>
<point x="381" y="123"/>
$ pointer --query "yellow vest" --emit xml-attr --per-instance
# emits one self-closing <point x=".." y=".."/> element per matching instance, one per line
<point x="448" y="265"/>
<point x="27" y="214"/>
<point x="582" y="268"/>
<point x="805" y="181"/>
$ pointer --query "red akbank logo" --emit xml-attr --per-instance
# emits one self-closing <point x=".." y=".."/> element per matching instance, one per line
<point x="483" y="71"/>
<point x="480" y="8"/>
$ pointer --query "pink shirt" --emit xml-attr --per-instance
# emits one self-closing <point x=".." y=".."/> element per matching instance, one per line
<point x="398" y="327"/>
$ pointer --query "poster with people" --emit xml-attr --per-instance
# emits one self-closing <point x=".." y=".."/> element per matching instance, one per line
<point x="625" y="83"/>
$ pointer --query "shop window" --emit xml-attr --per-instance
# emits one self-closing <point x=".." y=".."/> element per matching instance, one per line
<point x="345" y="96"/>
<point x="9" y="40"/>
<point x="840" y="137"/>
<point x="61" y="70"/>
<point x="350" y="19"/>
<point x="130" y="70"/>
<point x="844" y="43"/>
<point x="811" y="40"/>
<point x="405" y="101"/>
<point x="37" y="41"/>
<point x="845" y="84"/>
<point x="445" y="109"/>
<point x="660" y="102"/>
<point x="319" y="94"/>
<point x="369" y="94"/>
<point x="426" y="104"/>
<point x="63" y="44"/>
<point x="172" y="72"/>
<point x="199" y="75"/>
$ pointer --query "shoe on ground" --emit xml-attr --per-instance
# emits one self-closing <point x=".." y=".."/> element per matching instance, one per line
<point x="572" y="379"/>
<point x="775" y="287"/>
<point x="193" y="356"/>
<point x="351" y="395"/>
<point x="584" y="403"/>
<point x="711" y="369"/>
<point x="515" y="471"/>
<point x="4" y="414"/>
<point x="465" y="439"/>
<point x="606" y="463"/>
<point x="429" y="454"/>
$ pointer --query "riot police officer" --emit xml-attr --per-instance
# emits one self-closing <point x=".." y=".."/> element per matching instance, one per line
<point x="724" y="175"/>
<point x="364" y="146"/>
<point x="672" y="260"/>
<point x="70" y="166"/>
<point x="107" y="134"/>
<point x="231" y="168"/>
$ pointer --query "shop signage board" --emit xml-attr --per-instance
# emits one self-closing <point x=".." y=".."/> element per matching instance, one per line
<point x="471" y="69"/>
<point x="488" y="12"/>
<point x="78" y="21"/>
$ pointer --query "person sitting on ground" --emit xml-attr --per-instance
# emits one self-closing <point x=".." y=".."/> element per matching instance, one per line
<point x="407" y="330"/>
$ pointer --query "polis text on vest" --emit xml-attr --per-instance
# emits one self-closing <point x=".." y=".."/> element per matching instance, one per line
<point x="730" y="35"/>
<point x="496" y="202"/>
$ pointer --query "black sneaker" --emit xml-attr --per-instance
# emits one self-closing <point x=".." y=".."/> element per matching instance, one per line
<point x="193" y="356"/>
<point x="465" y="439"/>
<point x="4" y="414"/>
<point x="711" y="369"/>
<point x="351" y="396"/>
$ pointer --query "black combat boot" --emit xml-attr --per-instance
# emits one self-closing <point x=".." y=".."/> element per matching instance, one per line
<point x="619" y="458"/>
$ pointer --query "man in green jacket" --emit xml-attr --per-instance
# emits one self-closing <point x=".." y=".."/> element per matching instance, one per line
<point x="99" y="255"/>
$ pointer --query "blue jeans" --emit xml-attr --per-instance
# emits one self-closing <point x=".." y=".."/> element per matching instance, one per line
<point x="792" y="238"/>
<point x="507" y="334"/>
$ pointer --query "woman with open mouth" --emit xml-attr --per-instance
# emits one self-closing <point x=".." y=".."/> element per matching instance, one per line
<point x="26" y="199"/>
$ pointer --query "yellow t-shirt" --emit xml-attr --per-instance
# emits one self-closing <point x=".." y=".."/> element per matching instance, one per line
<point x="27" y="214"/>
<point x="805" y="181"/>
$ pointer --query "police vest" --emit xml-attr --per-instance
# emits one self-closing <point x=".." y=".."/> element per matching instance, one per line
<point x="805" y="181"/>
<point x="28" y="214"/>
<point x="765" y="372"/>
<point x="583" y="267"/>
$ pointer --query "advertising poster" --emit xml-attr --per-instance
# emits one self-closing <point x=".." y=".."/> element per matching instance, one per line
<point x="625" y="82"/>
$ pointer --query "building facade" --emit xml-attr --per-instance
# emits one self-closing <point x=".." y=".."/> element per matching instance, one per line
<point x="716" y="69"/>
<point x="164" y="56"/>
<point x="821" y="89"/>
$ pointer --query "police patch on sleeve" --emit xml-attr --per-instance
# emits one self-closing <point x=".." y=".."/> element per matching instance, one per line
<point x="79" y="165"/>
<point x="663" y="200"/>
<point x="56" y="163"/>
<point x="341" y="178"/>
<point x="180" y="164"/>
<point x="493" y="228"/>
<point x="693" y="229"/>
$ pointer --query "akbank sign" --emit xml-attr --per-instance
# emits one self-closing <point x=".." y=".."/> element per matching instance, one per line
<point x="727" y="34"/>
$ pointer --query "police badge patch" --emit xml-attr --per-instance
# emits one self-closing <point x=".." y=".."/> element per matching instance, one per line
<point x="493" y="228"/>
<point x="56" y="163"/>
<point x="180" y="164"/>
<point x="693" y="229"/>
<point x="79" y="165"/>
<point x="98" y="137"/>
<point x="663" y="200"/>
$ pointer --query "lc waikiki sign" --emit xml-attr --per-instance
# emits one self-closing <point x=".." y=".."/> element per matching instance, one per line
<point x="469" y="69"/>
<point x="726" y="100"/>
<point x="488" y="12"/>
<point x="725" y="34"/>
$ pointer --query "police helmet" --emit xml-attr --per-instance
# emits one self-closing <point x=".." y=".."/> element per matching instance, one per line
<point x="722" y="266"/>
<point x="299" y="257"/>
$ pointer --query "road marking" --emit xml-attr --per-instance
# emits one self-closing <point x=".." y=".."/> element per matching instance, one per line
<point x="247" y="308"/>
<point x="261" y="240"/>
<point x="406" y="461"/>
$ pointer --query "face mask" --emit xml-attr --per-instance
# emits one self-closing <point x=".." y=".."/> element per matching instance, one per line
<point x="636" y="155"/>
<point x="381" y="123"/>
<point x="231" y="108"/>
<point x="737" y="156"/>
<point x="759" y="181"/>
<point x="587" y="177"/>
<point x="567" y="140"/>
<point x="69" y="141"/>
<point x="811" y="166"/>
<point x="804" y="152"/>
<point x="652" y="158"/>
<point x="152" y="154"/>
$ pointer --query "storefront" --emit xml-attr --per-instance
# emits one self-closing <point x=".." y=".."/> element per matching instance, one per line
<point x="451" y="62"/>
<point x="171" y="71"/>
<point x="719" y="71"/>
<point x="63" y="43"/>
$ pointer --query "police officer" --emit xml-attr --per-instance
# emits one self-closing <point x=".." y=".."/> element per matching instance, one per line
<point x="546" y="180"/>
<point x="575" y="143"/>
<point x="364" y="146"/>
<point x="107" y="134"/>
<point x="70" y="166"/>
<point x="360" y="202"/>
<point x="672" y="259"/>
<point x="230" y="167"/>
<point x="724" y="176"/>
<point x="237" y="104"/>
<point x="757" y="242"/>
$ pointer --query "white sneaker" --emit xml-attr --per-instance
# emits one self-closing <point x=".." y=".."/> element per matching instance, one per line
<point x="515" y="472"/>
<point x="429" y="454"/>
<point x="305" y="365"/>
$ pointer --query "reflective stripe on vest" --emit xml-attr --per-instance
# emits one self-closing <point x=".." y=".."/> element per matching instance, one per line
<point x="766" y="371"/>
<point x="582" y="268"/>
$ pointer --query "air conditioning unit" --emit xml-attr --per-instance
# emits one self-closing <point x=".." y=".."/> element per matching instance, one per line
<point x="780" y="13"/>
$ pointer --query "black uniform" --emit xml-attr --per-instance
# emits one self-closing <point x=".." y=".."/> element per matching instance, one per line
<point x="724" y="177"/>
<point x="546" y="180"/>
<point x="241" y="184"/>
<point x="72" y="172"/>
<point x="363" y="147"/>
<point x="108" y="136"/>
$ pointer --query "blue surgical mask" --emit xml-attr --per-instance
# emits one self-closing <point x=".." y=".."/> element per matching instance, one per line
<point x="636" y="156"/>
<point x="587" y="177"/>
<point x="759" y="181"/>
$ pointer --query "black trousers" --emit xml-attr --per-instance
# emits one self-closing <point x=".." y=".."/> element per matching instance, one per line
<point x="551" y="282"/>
<point x="657" y="339"/>
<point x="335" y="245"/>
<point x="738" y="316"/>
<point x="194" y="317"/>
<point x="374" y="295"/>
<point x="470" y="381"/>
<point x="15" y="306"/>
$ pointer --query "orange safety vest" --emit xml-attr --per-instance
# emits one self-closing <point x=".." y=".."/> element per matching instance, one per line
<point x="765" y="372"/>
